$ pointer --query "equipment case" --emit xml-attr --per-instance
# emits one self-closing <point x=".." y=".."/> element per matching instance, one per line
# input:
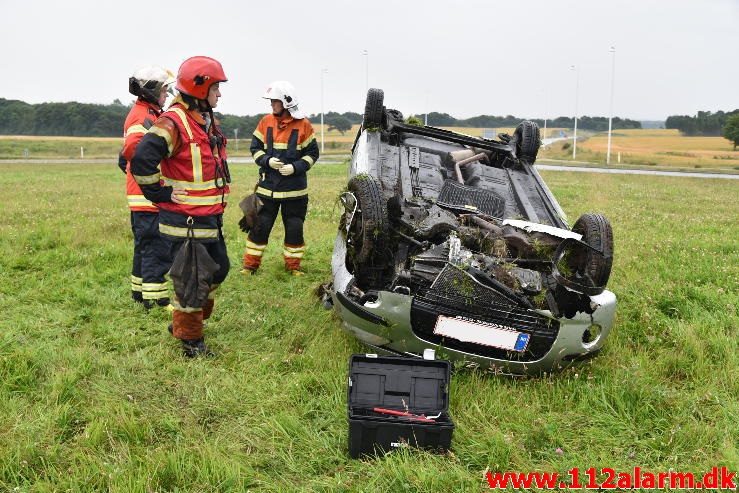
<point x="410" y="385"/>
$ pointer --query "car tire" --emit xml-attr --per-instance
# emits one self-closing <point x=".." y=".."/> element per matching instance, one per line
<point x="369" y="226"/>
<point x="596" y="231"/>
<point x="374" y="109"/>
<point x="528" y="141"/>
<point x="366" y="254"/>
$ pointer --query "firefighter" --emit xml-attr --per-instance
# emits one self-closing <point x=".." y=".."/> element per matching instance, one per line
<point x="151" y="259"/>
<point x="284" y="147"/>
<point x="190" y="185"/>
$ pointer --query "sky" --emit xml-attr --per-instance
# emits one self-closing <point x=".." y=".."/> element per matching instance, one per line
<point x="462" y="57"/>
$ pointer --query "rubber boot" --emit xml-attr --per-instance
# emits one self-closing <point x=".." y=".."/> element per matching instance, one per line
<point x="193" y="348"/>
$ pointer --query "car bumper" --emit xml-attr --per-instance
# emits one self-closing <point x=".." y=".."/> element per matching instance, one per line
<point x="386" y="325"/>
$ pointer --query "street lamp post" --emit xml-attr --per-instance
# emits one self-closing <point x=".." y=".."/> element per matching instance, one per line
<point x="426" y="115"/>
<point x="323" y="72"/>
<point x="546" y="112"/>
<point x="577" y="89"/>
<point x="366" y="70"/>
<point x="610" y="114"/>
<point x="236" y="138"/>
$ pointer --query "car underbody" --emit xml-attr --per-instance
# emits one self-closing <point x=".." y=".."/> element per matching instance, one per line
<point x="455" y="243"/>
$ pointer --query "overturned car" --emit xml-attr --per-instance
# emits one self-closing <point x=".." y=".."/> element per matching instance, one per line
<point x="455" y="243"/>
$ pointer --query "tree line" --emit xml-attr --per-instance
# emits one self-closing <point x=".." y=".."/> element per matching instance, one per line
<point x="704" y="123"/>
<point x="98" y="120"/>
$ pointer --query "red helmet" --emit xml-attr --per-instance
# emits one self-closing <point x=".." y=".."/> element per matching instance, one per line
<point x="197" y="74"/>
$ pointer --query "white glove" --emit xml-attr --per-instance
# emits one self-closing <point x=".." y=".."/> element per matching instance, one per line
<point x="275" y="163"/>
<point x="287" y="170"/>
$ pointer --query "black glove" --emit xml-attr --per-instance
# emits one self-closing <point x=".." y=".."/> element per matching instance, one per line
<point x="244" y="225"/>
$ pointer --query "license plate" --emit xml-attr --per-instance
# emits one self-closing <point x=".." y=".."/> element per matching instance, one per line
<point x="485" y="333"/>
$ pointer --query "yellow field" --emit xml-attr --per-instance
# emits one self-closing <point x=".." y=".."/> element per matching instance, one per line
<point x="653" y="147"/>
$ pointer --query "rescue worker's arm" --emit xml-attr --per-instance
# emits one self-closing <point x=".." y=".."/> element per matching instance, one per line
<point x="308" y="153"/>
<point x="134" y="134"/>
<point x="155" y="145"/>
<point x="258" y="148"/>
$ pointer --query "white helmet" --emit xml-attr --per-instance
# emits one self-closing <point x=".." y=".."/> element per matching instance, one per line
<point x="147" y="83"/>
<point x="285" y="92"/>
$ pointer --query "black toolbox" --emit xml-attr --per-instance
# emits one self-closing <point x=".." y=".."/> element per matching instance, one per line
<point x="398" y="385"/>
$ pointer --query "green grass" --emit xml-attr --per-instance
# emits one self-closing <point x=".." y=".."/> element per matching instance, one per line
<point x="94" y="395"/>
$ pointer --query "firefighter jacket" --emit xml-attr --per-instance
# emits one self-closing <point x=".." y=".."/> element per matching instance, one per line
<point x="141" y="117"/>
<point x="184" y="150"/>
<point x="293" y="142"/>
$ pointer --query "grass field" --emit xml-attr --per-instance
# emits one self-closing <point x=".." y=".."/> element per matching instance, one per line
<point x="94" y="395"/>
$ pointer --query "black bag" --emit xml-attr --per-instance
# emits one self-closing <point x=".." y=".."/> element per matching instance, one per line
<point x="192" y="272"/>
<point x="250" y="206"/>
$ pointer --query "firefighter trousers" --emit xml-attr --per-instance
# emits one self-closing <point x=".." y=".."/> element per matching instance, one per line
<point x="151" y="259"/>
<point x="293" y="213"/>
<point x="187" y="322"/>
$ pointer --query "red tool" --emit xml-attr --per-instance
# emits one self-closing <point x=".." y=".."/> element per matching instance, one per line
<point x="405" y="414"/>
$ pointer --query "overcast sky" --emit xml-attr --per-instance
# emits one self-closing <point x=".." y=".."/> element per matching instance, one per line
<point x="463" y="57"/>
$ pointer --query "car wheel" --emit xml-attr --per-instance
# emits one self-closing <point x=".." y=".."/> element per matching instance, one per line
<point x="369" y="225"/>
<point x="528" y="140"/>
<point x="368" y="232"/>
<point x="596" y="231"/>
<point x="374" y="109"/>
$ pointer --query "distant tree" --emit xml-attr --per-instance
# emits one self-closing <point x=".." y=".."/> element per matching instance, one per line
<point x="441" y="119"/>
<point x="731" y="129"/>
<point x="414" y="120"/>
<point x="704" y="123"/>
<point x="340" y="123"/>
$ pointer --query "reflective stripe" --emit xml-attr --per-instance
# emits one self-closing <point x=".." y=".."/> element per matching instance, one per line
<point x="154" y="286"/>
<point x="197" y="163"/>
<point x="138" y="201"/>
<point x="308" y="160"/>
<point x="210" y="200"/>
<point x="183" y="118"/>
<point x="150" y="295"/>
<point x="188" y="185"/>
<point x="258" y="246"/>
<point x="136" y="283"/>
<point x="282" y="195"/>
<point x="136" y="280"/>
<point x="165" y="135"/>
<point x="180" y="308"/>
<point x="147" y="180"/>
<point x="293" y="252"/>
<point x="136" y="129"/>
<point x="259" y="154"/>
<point x="259" y="135"/>
<point x="180" y="232"/>
<point x="307" y="141"/>
<point x="283" y="145"/>
<point x="197" y="160"/>
<point x="255" y="248"/>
